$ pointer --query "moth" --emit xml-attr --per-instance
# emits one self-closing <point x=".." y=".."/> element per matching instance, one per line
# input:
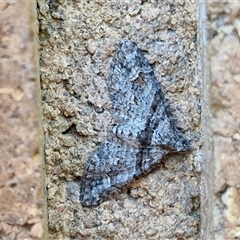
<point x="141" y="133"/>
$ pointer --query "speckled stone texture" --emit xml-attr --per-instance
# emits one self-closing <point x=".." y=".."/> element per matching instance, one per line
<point x="223" y="119"/>
<point x="21" y="158"/>
<point x="77" y="43"/>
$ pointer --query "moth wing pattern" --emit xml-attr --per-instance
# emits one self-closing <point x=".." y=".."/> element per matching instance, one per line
<point x="141" y="133"/>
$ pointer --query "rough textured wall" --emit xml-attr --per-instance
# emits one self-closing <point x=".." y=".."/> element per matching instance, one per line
<point x="21" y="159"/>
<point x="77" y="43"/>
<point x="223" y="30"/>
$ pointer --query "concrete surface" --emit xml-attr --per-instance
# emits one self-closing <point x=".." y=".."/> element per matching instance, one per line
<point x="21" y="159"/>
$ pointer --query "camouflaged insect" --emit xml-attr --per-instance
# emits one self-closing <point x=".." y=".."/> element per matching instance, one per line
<point x="141" y="133"/>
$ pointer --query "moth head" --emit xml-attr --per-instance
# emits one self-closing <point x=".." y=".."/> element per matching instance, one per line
<point x="132" y="59"/>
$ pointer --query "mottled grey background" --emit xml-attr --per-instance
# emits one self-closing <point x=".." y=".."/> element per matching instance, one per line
<point x="77" y="42"/>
